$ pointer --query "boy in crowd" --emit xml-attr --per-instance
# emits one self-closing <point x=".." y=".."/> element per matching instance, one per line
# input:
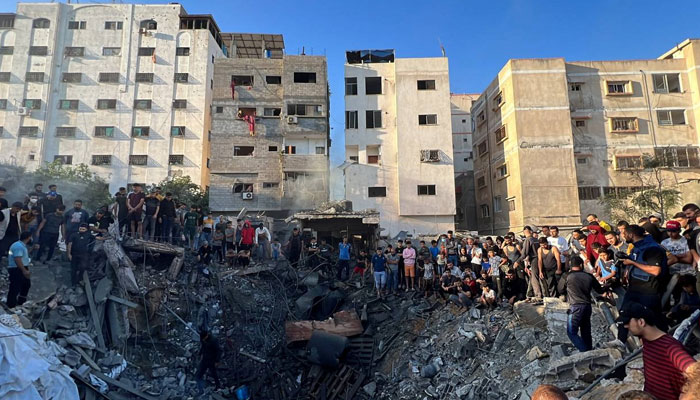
<point x="379" y="272"/>
<point x="392" y="260"/>
<point x="409" y="262"/>
<point x="488" y="297"/>
<point x="360" y="267"/>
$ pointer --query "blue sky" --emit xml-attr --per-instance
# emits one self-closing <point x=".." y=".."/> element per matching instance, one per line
<point x="479" y="37"/>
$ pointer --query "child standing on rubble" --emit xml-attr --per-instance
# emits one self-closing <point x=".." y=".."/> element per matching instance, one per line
<point x="276" y="249"/>
<point x="428" y="279"/>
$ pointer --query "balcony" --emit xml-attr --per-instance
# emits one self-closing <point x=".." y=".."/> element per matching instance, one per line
<point x="304" y="162"/>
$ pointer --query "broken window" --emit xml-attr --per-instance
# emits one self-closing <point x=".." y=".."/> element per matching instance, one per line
<point x="38" y="50"/>
<point x="112" y="51"/>
<point x="34" y="77"/>
<point x="497" y="103"/>
<point x="243" y="151"/>
<point x="34" y="104"/>
<point x="31" y="131"/>
<point x="114" y="25"/>
<point x="176" y="159"/>
<point x="580" y="123"/>
<point x="619" y="87"/>
<point x="304" y="77"/>
<point x="351" y="120"/>
<point x="667" y="83"/>
<point x="7" y="50"/>
<point x="219" y="110"/>
<point x="7" y="21"/>
<point x="273" y="80"/>
<point x="270" y="185"/>
<point x="320" y="150"/>
<point x="481" y="118"/>
<point x="500" y="134"/>
<point x="671" y="117"/>
<point x="182" y="77"/>
<point x="243" y="188"/>
<point x="72" y="77"/>
<point x="376" y="191"/>
<point x="290" y="150"/>
<point x="623" y="125"/>
<point x="144" y="77"/>
<point x="142" y="104"/>
<point x="511" y="204"/>
<point x="374" y="119"/>
<point x="426" y="190"/>
<point x="77" y="24"/>
<point x="350" y="86"/>
<point x="176" y="131"/>
<point x="427" y="119"/>
<point x="74" y="51"/>
<point x="310" y="110"/>
<point x="581" y="160"/>
<point x="109" y="77"/>
<point x="430" y="155"/>
<point x="242" y="80"/>
<point x="272" y="112"/>
<point x="101" y="159"/>
<point x="628" y="162"/>
<point x="588" y="192"/>
<point x="106" y="104"/>
<point x="427" y="84"/>
<point x="482" y="148"/>
<point x="373" y="85"/>
<point x="65" y="131"/>
<point x="502" y="171"/>
<point x="65" y="160"/>
<point x="485" y="213"/>
<point x="68" y="104"/>
<point x="140" y="131"/>
<point x="104" y="131"/>
<point x="147" y="51"/>
<point x="678" y="157"/>
<point x="179" y="104"/>
<point x="182" y="51"/>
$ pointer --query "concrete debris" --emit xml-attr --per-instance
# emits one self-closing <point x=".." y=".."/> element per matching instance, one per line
<point x="82" y="339"/>
<point x="535" y="353"/>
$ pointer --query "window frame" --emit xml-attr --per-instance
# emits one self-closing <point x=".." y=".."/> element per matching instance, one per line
<point x="114" y="51"/>
<point x="239" y="148"/>
<point x="69" y="77"/>
<point x="628" y="88"/>
<point x="240" y="80"/>
<point x="666" y="86"/>
<point x="40" y="51"/>
<point x="627" y="167"/>
<point x="146" y="51"/>
<point x="41" y="23"/>
<point x="104" y="128"/>
<point x="178" y="131"/>
<point x="179" y="104"/>
<point x="369" y="79"/>
<point x="114" y="25"/>
<point x="144" y="131"/>
<point x="72" y="104"/>
<point x="139" y="160"/>
<point x="426" y="84"/>
<point x="350" y="86"/>
<point x="34" y="105"/>
<point x="64" y="159"/>
<point x="104" y="159"/>
<point x="485" y="211"/>
<point x="74" y="51"/>
<point x="181" y="77"/>
<point x="272" y="112"/>
<point x="65" y="131"/>
<point x="35" y="77"/>
<point x="633" y="120"/>
<point x="77" y="25"/>
<point x="106" y="77"/>
<point x="589" y="193"/>
<point x="376" y="191"/>
<point x="182" y="51"/>
<point x="111" y="104"/>
<point x="176" y="159"/>
<point x="144" y="77"/>
<point x="501" y="134"/>
<point x="352" y="119"/>
<point x="427" y="189"/>
<point x="425" y="119"/>
<point x="147" y="104"/>
<point x="670" y="121"/>
<point x="502" y="171"/>
<point x="276" y="79"/>
<point x="310" y="77"/>
<point x="371" y="115"/>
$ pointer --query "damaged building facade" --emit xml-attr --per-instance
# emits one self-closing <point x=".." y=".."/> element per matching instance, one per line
<point x="583" y="126"/>
<point x="398" y="141"/>
<point x="270" y="130"/>
<point x="465" y="196"/>
<point x="123" y="88"/>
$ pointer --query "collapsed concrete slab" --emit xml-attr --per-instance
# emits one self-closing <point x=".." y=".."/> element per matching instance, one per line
<point x="343" y="323"/>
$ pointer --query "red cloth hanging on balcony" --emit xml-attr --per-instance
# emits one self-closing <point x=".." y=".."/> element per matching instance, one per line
<point x="250" y="119"/>
<point x="233" y="90"/>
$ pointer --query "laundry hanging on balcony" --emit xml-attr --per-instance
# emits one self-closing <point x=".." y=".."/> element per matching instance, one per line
<point x="250" y="119"/>
<point x="233" y="90"/>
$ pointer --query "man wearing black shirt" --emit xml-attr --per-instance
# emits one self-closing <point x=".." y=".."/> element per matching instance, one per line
<point x="514" y="288"/>
<point x="204" y="257"/>
<point x="151" y="216"/>
<point x="122" y="209"/>
<point x="528" y="258"/>
<point x="210" y="353"/>
<point x="448" y="284"/>
<point x="38" y="192"/>
<point x="99" y="223"/>
<point x="9" y="227"/>
<point x="54" y="188"/>
<point x="578" y="286"/>
<point x="3" y="200"/>
<point x="48" y="231"/>
<point x="49" y="203"/>
<point x="167" y="216"/>
<point x="79" y="249"/>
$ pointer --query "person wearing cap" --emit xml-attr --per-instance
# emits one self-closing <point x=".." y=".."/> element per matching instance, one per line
<point x="54" y="188"/>
<point x="10" y="227"/>
<point x="665" y="358"/>
<point x="100" y="222"/>
<point x="656" y="218"/>
<point x="577" y="286"/>
<point x="50" y="203"/>
<point x="680" y="261"/>
<point x="79" y="248"/>
<point x="18" y="269"/>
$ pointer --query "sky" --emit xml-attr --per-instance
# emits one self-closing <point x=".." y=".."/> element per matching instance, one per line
<point x="479" y="36"/>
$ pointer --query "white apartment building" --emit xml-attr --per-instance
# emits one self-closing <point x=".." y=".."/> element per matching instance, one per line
<point x="465" y="196"/>
<point x="398" y="138"/>
<point x="123" y="88"/>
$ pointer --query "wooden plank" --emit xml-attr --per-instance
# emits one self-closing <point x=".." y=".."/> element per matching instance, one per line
<point x="121" y="385"/>
<point x="343" y="323"/>
<point x="123" y="301"/>
<point x="87" y="384"/>
<point x="93" y="310"/>
<point x="87" y="358"/>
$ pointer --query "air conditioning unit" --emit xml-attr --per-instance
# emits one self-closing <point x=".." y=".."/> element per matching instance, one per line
<point x="292" y="119"/>
<point x="247" y="196"/>
<point x="24" y="111"/>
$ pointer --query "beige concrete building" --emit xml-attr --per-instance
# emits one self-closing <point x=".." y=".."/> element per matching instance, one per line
<point x="553" y="136"/>
<point x="123" y="88"/>
<point x="270" y="130"/>
<point x="462" y="148"/>
<point x="398" y="141"/>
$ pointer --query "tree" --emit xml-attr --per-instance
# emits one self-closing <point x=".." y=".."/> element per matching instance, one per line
<point x="184" y="191"/>
<point x="74" y="182"/>
<point x="654" y="191"/>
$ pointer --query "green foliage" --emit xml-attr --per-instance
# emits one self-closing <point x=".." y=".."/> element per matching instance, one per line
<point x="184" y="191"/>
<point x="77" y="181"/>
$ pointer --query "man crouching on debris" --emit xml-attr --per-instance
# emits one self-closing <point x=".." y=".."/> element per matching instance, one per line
<point x="210" y="355"/>
<point x="79" y="249"/>
<point x="204" y="257"/>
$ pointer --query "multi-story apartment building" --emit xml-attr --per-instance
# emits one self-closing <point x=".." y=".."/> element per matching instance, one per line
<point x="465" y="196"/>
<point x="123" y="88"/>
<point x="553" y="136"/>
<point x="270" y="130"/>
<point x="398" y="141"/>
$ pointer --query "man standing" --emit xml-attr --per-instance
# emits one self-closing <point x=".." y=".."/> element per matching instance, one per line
<point x="665" y="358"/>
<point x="79" y="249"/>
<point x="3" y="200"/>
<point x="379" y="271"/>
<point x="51" y="226"/>
<point x="210" y="354"/>
<point x="549" y="267"/>
<point x="54" y="188"/>
<point x="74" y="218"/>
<point x="312" y="253"/>
<point x="451" y="247"/>
<point x="343" y="258"/>
<point x="679" y="258"/>
<point x="49" y="203"/>
<point x="191" y="218"/>
<point x="122" y="211"/>
<point x="616" y="244"/>
<point x="591" y="218"/>
<point x="578" y="286"/>
<point x="18" y="269"/>
<point x="151" y="213"/>
<point x="262" y="240"/>
<point x="167" y="215"/>
<point x="560" y="243"/>
<point x="294" y="247"/>
<point x="409" y="263"/>
<point x="528" y="258"/>
<point x="134" y="204"/>
<point x="10" y="227"/>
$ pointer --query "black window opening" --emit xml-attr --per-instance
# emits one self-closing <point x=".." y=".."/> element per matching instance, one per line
<point x="426" y="190"/>
<point x="304" y="77"/>
<point x="374" y="119"/>
<point x="176" y="159"/>
<point x="182" y="51"/>
<point x="138" y="159"/>
<point x="373" y="85"/>
<point x="273" y="80"/>
<point x="350" y="86"/>
<point x="376" y="191"/>
<point x="428" y="84"/>
<point x="106" y="104"/>
<point x="242" y="80"/>
<point x="243" y="188"/>
<point x="243" y="151"/>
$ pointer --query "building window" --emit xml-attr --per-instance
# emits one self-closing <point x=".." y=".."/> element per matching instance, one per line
<point x="3" y="104"/>
<point x="581" y="160"/>
<point x="498" y="101"/>
<point x="678" y="157"/>
<point x="182" y="51"/>
<point x="271" y="148"/>
<point x="112" y="51"/>
<point x="270" y="185"/>
<point x="308" y="110"/>
<point x="38" y="50"/>
<point x="624" y="125"/>
<point x="68" y="104"/>
<point x="497" y="204"/>
<point x="106" y="104"/>
<point x="426" y="190"/>
<point x="143" y="104"/>
<point x="65" y="160"/>
<point x="290" y="150"/>
<point x="671" y="117"/>
<point x="482" y="148"/>
<point x="243" y="111"/>
<point x="272" y="112"/>
<point x="575" y="86"/>
<point x="427" y="119"/>
<point x="5" y="76"/>
<point x="502" y="171"/>
<point x="101" y="159"/>
<point x="351" y="120"/>
<point x="6" y="50"/>
<point x="41" y="23"/>
<point x="176" y="159"/>
<point x="374" y="119"/>
<point x="481" y="182"/>
<point x="273" y="80"/>
<point x="350" y="86"/>
<point x="179" y="103"/>
<point x="182" y="77"/>
<point x="242" y="188"/>
<point x="618" y="87"/>
<point x="430" y="155"/>
<point x="65" y="131"/>
<point x="304" y="77"/>
<point x="147" y="51"/>
<point x="114" y="25"/>
<point x="219" y="110"/>
<point x="588" y="193"/>
<point x="426" y="84"/>
<point x="511" y="204"/>
<point x="34" y="104"/>
<point x="376" y="191"/>
<point x="320" y="150"/>
<point x="34" y="77"/>
<point x="149" y="24"/>
<point x="74" y="51"/>
<point x="144" y="77"/>
<point x="580" y="123"/>
<point x="628" y="162"/>
<point x="72" y="77"/>
<point x="500" y="134"/>
<point x="176" y="131"/>
<point x="667" y="83"/>
<point x="485" y="213"/>
<point x="373" y="85"/>
<point x="373" y="159"/>
<point x="108" y="77"/>
<point x="29" y="131"/>
<point x="7" y="21"/>
<point x="77" y="24"/>
<point x="138" y="160"/>
<point x="140" y="131"/>
<point x="243" y="151"/>
<point x="242" y="80"/>
<point x="104" y="131"/>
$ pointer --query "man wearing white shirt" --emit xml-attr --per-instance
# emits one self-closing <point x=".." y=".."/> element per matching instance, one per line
<point x="559" y="242"/>
<point x="262" y="239"/>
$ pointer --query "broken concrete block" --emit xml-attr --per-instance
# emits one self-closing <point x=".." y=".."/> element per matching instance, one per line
<point x="610" y="391"/>
<point x="535" y="353"/>
<point x="634" y="371"/>
<point x="558" y="351"/>
<point x="530" y="314"/>
<point x="475" y="313"/>
<point x="535" y="368"/>
<point x="82" y="339"/>
<point x="579" y="365"/>
<point x="555" y="313"/>
<point x="71" y="358"/>
<point x="370" y="388"/>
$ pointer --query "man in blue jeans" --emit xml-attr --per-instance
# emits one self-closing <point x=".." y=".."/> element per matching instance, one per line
<point x="578" y="285"/>
<point x="344" y="258"/>
<point x="379" y="269"/>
